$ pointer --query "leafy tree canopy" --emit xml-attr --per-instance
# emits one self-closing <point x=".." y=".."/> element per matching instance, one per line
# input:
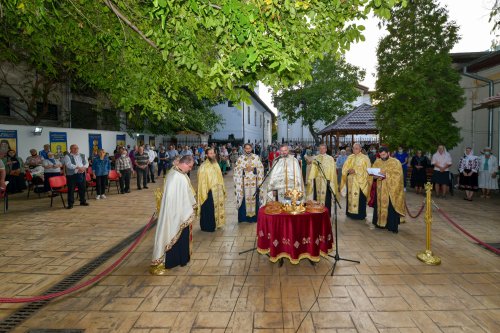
<point x="326" y="96"/>
<point x="145" y="54"/>
<point x="417" y="89"/>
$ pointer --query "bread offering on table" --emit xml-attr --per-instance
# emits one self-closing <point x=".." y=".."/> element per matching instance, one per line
<point x="313" y="206"/>
<point x="273" y="207"/>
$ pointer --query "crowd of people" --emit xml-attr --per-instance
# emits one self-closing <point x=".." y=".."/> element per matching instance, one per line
<point x="145" y="162"/>
<point x="368" y="176"/>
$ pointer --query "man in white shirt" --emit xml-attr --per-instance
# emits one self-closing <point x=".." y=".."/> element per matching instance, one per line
<point x="76" y="166"/>
<point x="152" y="155"/>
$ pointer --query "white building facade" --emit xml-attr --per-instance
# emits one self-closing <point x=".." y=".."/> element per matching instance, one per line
<point x="479" y="126"/>
<point x="298" y="132"/>
<point x="248" y="123"/>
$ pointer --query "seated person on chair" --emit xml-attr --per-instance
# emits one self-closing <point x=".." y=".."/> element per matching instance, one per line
<point x="14" y="171"/>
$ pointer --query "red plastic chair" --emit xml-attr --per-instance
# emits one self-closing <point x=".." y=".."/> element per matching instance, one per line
<point x="4" y="196"/>
<point x="90" y="183"/>
<point x="113" y="176"/>
<point x="58" y="185"/>
<point x="29" y="179"/>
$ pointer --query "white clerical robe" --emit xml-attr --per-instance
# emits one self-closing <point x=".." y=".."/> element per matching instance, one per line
<point x="248" y="174"/>
<point x="286" y="175"/>
<point x="176" y="213"/>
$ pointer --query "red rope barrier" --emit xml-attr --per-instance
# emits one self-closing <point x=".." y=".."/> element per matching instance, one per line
<point x="419" y="212"/>
<point x="87" y="283"/>
<point x="449" y="220"/>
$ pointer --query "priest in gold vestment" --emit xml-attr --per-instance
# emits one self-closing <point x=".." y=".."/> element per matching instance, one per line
<point x="211" y="193"/>
<point x="355" y="183"/>
<point x="248" y="175"/>
<point x="286" y="175"/>
<point x="173" y="239"/>
<point x="389" y="205"/>
<point x="318" y="188"/>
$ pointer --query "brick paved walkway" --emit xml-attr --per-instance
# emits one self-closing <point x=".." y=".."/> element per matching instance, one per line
<point x="390" y="291"/>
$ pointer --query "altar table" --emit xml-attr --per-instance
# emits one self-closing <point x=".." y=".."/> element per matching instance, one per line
<point x="295" y="237"/>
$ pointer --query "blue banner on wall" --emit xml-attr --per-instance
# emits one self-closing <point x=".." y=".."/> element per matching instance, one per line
<point x="120" y="140"/>
<point x="8" y="140"/>
<point x="58" y="143"/>
<point x="95" y="143"/>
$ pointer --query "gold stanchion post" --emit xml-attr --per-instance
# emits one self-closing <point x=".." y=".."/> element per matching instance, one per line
<point x="158" y="195"/>
<point x="427" y="256"/>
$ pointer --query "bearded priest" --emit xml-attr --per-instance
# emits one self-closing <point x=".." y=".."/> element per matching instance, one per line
<point x="211" y="193"/>
<point x="286" y="175"/>
<point x="355" y="183"/>
<point x="389" y="206"/>
<point x="318" y="188"/>
<point x="248" y="175"/>
<point x="173" y="237"/>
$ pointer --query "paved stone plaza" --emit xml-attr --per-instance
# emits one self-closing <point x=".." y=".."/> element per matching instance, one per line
<point x="221" y="291"/>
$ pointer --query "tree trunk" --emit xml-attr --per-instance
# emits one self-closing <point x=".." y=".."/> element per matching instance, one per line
<point x="316" y="137"/>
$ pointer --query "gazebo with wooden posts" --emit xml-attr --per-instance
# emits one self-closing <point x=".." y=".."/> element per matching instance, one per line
<point x="360" y="121"/>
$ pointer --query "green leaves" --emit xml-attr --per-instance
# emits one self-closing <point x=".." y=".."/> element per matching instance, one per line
<point x="205" y="47"/>
<point x="327" y="95"/>
<point x="417" y="88"/>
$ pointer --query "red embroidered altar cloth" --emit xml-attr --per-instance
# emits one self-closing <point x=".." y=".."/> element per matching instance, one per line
<point x="295" y="237"/>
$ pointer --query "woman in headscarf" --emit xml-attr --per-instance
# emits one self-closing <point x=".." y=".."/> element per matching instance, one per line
<point x="468" y="168"/>
<point x="14" y="169"/>
<point x="488" y="167"/>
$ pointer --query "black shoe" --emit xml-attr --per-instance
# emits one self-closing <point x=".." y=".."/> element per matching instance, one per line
<point x="84" y="204"/>
<point x="127" y="191"/>
<point x="122" y="192"/>
<point x="69" y="207"/>
<point x="146" y="187"/>
<point x="153" y="181"/>
<point x="139" y="188"/>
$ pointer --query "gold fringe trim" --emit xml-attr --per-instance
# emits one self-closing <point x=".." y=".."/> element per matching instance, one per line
<point x="175" y="239"/>
<point x="295" y="261"/>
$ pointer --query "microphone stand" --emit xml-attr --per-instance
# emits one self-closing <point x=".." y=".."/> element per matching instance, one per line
<point x="257" y="195"/>
<point x="336" y="257"/>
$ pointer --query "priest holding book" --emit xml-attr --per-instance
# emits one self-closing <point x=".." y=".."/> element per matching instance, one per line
<point x="389" y="206"/>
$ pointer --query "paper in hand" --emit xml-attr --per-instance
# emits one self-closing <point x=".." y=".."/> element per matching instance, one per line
<point x="374" y="172"/>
